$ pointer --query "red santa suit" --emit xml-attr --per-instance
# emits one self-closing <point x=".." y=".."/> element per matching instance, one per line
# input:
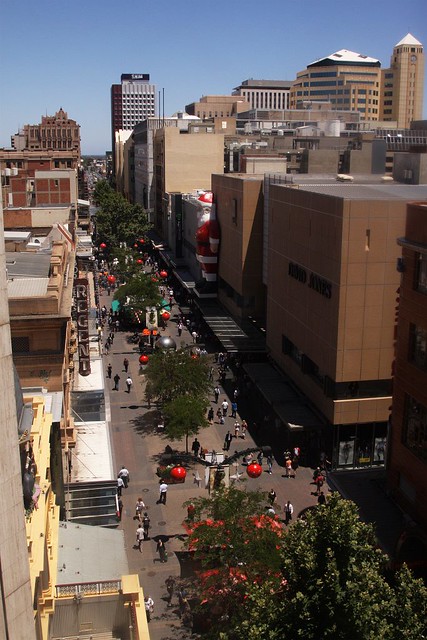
<point x="207" y="238"/>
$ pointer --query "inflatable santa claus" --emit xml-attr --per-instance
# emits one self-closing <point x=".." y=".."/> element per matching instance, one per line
<point x="207" y="237"/>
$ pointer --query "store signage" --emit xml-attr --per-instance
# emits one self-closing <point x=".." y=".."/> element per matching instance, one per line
<point x="314" y="281"/>
<point x="81" y="287"/>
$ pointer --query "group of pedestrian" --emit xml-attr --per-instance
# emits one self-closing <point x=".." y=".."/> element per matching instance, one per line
<point x="116" y="378"/>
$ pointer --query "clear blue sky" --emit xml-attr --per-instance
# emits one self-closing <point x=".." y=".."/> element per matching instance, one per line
<point x="68" y="54"/>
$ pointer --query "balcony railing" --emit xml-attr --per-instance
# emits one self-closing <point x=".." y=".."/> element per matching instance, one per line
<point x="81" y="589"/>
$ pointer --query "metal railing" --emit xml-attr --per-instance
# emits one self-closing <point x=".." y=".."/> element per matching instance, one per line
<point x="80" y="589"/>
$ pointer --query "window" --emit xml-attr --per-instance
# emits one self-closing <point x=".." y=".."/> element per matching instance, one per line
<point x="418" y="347"/>
<point x="20" y="344"/>
<point x="415" y="427"/>
<point x="421" y="274"/>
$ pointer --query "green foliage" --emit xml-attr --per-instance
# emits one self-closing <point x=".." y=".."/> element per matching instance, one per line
<point x="184" y="416"/>
<point x="181" y="384"/>
<point x="117" y="220"/>
<point x="141" y="292"/>
<point x="333" y="584"/>
<point x="170" y="374"/>
<point x="239" y="547"/>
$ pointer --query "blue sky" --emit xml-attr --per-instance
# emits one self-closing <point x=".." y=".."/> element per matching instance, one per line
<point x="61" y="54"/>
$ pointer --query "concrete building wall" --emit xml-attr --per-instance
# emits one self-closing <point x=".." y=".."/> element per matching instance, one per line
<point x="239" y="203"/>
<point x="332" y="285"/>
<point x="16" y="618"/>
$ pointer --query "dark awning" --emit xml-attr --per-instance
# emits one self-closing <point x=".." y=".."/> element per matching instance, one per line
<point x="235" y="338"/>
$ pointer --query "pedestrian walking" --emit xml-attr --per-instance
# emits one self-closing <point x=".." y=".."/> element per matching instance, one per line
<point x="211" y="415"/>
<point x="236" y="429"/>
<point x="129" y="383"/>
<point x="139" y="507"/>
<point x="217" y="391"/>
<point x="170" y="587"/>
<point x="140" y="537"/>
<point x="224" y="406"/>
<point x="146" y="524"/>
<point x="195" y="447"/>
<point x="116" y="382"/>
<point x="289" y="471"/>
<point x="219" y="416"/>
<point x="107" y="347"/>
<point x="120" y="511"/>
<point x="194" y="336"/>
<point x="163" y="489"/>
<point x="260" y="458"/>
<point x="180" y="328"/>
<point x="289" y="509"/>
<point x="161" y="550"/>
<point x="126" y="364"/>
<point x="319" y="479"/>
<point x="269" y="463"/>
<point x="272" y="496"/>
<point x="321" y="499"/>
<point x="227" y="441"/>
<point x="149" y="607"/>
<point x="244" y="428"/>
<point x="190" y="512"/>
<point x="109" y="370"/>
<point x="124" y="475"/>
<point x="234" y="409"/>
<point x="120" y="486"/>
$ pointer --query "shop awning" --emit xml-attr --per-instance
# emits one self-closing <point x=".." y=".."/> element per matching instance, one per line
<point x="185" y="278"/>
<point x="290" y="406"/>
<point x="235" y="338"/>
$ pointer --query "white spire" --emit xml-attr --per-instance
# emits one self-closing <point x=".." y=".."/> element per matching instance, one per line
<point x="410" y="40"/>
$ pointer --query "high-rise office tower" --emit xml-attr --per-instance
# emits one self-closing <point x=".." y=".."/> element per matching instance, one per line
<point x="349" y="81"/>
<point x="403" y="83"/>
<point x="132" y="101"/>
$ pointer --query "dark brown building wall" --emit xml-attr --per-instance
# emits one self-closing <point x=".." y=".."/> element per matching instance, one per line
<point x="407" y="472"/>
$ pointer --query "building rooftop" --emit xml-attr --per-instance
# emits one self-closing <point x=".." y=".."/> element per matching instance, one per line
<point x="79" y="551"/>
<point x="262" y="84"/>
<point x="344" y="56"/>
<point x="366" y="191"/>
<point x="408" y="39"/>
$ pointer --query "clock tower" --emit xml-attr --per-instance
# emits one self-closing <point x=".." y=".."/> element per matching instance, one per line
<point x="402" y="84"/>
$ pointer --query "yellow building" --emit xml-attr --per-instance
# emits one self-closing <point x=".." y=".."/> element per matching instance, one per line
<point x="74" y="591"/>
<point x="403" y="83"/>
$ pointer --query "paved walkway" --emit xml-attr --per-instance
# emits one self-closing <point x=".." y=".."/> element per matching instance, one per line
<point x="138" y="445"/>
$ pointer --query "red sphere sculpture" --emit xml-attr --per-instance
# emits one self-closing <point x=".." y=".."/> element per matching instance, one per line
<point x="163" y="274"/>
<point x="111" y="279"/>
<point x="102" y="245"/>
<point x="254" y="470"/>
<point x="139" y="261"/>
<point x="143" y="359"/>
<point x="178" y="473"/>
<point x="166" y="315"/>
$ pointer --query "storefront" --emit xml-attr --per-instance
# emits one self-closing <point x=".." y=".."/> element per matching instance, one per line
<point x="360" y="446"/>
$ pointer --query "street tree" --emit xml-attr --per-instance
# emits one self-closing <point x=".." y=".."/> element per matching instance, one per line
<point x="117" y="220"/>
<point x="184" y="416"/>
<point x="335" y="584"/>
<point x="139" y="292"/>
<point x="170" y="374"/>
<point x="238" y="545"/>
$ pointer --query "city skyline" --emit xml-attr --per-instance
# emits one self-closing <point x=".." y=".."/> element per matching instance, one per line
<point x="189" y="50"/>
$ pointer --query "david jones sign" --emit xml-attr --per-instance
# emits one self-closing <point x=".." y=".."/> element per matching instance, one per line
<point x="314" y="281"/>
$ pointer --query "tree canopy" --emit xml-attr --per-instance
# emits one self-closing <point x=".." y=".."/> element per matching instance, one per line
<point x="171" y="374"/>
<point x="332" y="581"/>
<point x="139" y="292"/>
<point x="179" y="381"/>
<point x="117" y="220"/>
